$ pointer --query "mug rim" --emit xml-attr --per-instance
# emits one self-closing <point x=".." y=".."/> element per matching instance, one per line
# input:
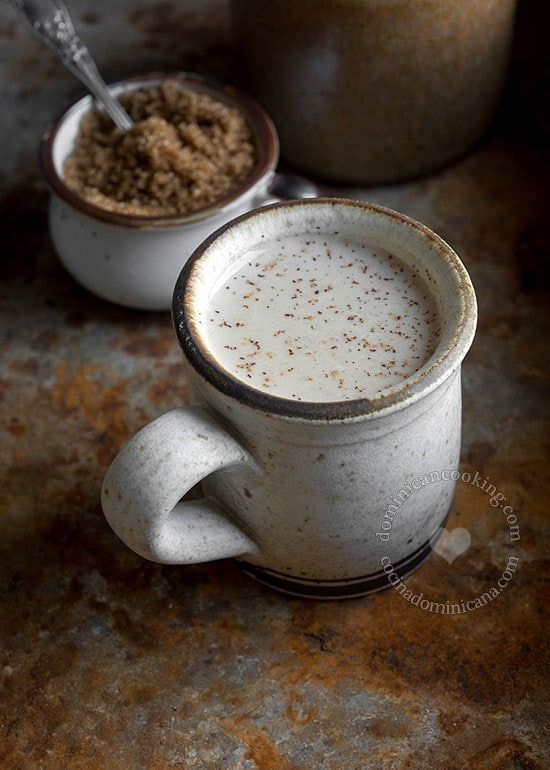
<point x="441" y="364"/>
<point x="265" y="137"/>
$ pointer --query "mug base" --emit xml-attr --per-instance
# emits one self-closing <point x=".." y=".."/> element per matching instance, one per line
<point x="348" y="588"/>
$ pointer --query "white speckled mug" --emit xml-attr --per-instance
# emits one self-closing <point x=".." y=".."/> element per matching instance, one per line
<point x="364" y="317"/>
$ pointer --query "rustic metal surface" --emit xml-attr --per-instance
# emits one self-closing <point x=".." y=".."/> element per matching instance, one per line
<point x="108" y="661"/>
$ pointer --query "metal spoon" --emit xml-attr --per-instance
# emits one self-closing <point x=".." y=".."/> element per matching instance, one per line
<point x="287" y="186"/>
<point x="49" y="20"/>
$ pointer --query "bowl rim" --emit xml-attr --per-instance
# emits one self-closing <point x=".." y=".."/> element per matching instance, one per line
<point x="264" y="131"/>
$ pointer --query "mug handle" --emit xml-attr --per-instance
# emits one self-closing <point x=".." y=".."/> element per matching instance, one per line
<point x="143" y="488"/>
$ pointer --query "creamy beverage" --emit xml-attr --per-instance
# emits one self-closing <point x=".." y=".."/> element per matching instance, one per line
<point x="317" y="318"/>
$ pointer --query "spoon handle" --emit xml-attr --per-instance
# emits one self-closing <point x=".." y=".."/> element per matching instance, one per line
<point x="50" y="21"/>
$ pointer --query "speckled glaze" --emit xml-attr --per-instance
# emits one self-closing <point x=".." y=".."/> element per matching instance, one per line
<point x="375" y="90"/>
<point x="297" y="490"/>
<point x="133" y="260"/>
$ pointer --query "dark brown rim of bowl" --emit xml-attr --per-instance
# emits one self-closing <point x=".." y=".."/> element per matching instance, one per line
<point x="437" y="369"/>
<point x="265" y="138"/>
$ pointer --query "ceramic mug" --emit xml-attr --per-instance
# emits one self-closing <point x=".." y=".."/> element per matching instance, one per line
<point x="134" y="260"/>
<point x="297" y="490"/>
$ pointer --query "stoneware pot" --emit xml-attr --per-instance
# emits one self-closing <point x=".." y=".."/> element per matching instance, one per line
<point x="298" y="491"/>
<point x="135" y="260"/>
<point x="374" y="91"/>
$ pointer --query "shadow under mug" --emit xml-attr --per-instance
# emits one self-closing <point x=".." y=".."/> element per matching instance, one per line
<point x="297" y="491"/>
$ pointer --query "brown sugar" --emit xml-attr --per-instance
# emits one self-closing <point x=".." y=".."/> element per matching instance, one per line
<point x="185" y="152"/>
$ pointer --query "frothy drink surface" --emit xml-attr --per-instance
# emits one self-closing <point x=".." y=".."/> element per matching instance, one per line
<point x="321" y="319"/>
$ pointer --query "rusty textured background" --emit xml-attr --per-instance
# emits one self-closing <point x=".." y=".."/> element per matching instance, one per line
<point x="107" y="661"/>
